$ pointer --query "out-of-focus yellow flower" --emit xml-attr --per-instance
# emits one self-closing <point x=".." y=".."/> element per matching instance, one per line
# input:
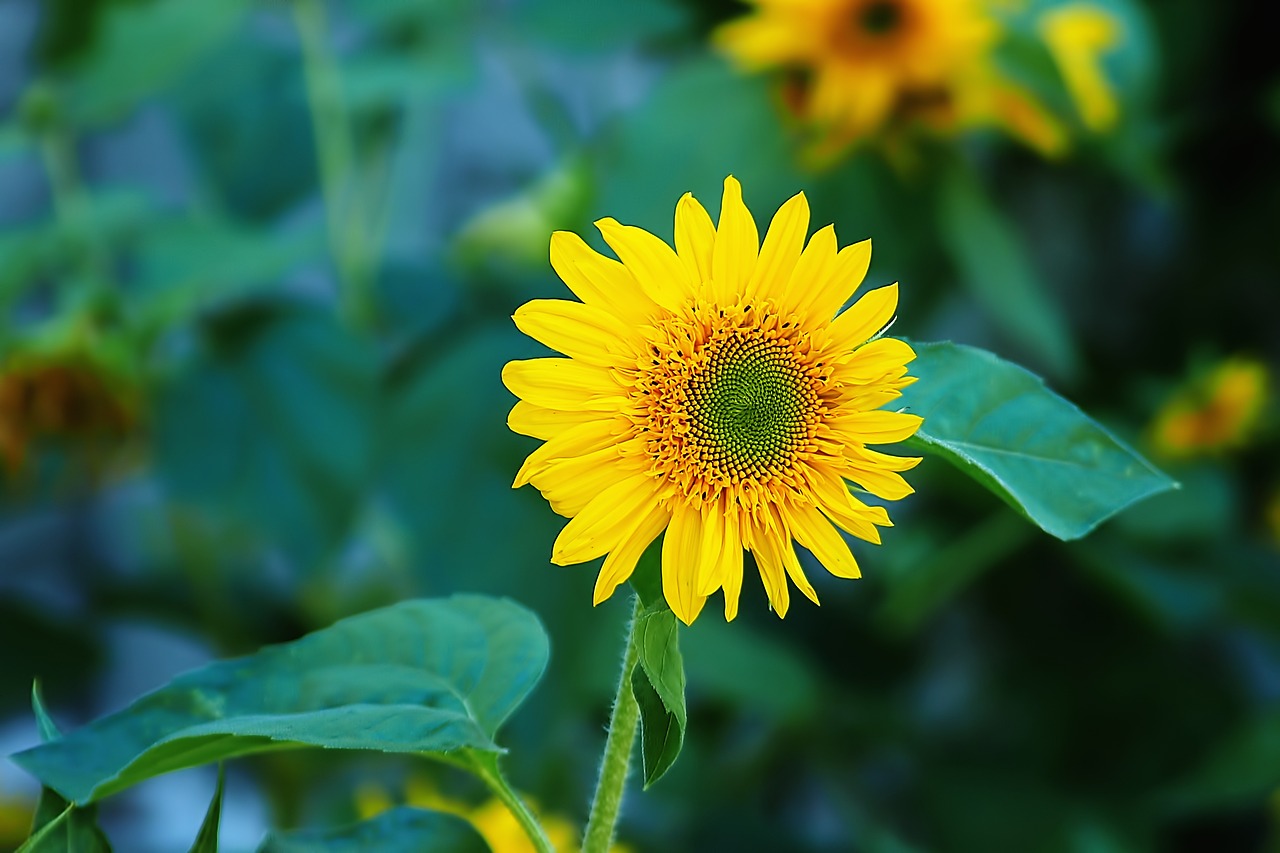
<point x="59" y="396"/>
<point x="859" y="67"/>
<point x="492" y="819"/>
<point x="1078" y="35"/>
<point x="1220" y="411"/>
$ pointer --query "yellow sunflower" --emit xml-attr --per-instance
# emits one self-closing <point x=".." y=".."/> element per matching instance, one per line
<point x="1217" y="411"/>
<point x="712" y="392"/>
<point x="857" y="67"/>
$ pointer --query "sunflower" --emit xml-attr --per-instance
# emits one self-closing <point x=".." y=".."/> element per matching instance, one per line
<point x="1217" y="411"/>
<point x="709" y="393"/>
<point x="857" y="67"/>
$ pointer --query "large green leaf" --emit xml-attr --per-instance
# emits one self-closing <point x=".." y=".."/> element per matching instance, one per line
<point x="400" y="830"/>
<point x="658" y="685"/>
<point x="421" y="676"/>
<point x="1000" y="425"/>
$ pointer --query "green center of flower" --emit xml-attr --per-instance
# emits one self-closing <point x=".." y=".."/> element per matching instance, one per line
<point x="879" y="17"/>
<point x="749" y="407"/>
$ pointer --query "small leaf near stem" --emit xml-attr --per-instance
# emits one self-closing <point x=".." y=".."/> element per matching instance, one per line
<point x="616" y="761"/>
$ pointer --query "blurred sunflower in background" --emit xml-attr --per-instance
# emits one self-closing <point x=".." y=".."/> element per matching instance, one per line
<point x="852" y="70"/>
<point x="1217" y="411"/>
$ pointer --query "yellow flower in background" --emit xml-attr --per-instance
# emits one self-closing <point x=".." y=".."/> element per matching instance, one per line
<point x="1217" y="412"/>
<point x="711" y="392"/>
<point x="492" y="819"/>
<point x="1077" y="35"/>
<point x="859" y="67"/>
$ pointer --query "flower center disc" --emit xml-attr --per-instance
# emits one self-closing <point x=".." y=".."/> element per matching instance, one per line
<point x="747" y="407"/>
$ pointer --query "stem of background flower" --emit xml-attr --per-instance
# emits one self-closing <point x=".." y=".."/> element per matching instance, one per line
<point x="485" y="766"/>
<point x="335" y="155"/>
<point x="617" y="751"/>
<point x="70" y="204"/>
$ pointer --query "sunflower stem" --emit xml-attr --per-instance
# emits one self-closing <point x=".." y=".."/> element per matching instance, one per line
<point x="616" y="760"/>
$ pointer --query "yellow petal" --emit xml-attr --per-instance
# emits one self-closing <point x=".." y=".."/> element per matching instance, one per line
<point x="758" y="41"/>
<point x="783" y="243"/>
<point x="621" y="561"/>
<point x="579" y="440"/>
<point x="772" y="572"/>
<point x="537" y="422"/>
<point x="815" y="264"/>
<point x="825" y="293"/>
<point x="787" y="552"/>
<point x="876" y="480"/>
<point x="603" y="522"/>
<point x="695" y="237"/>
<point x="842" y="508"/>
<point x="655" y="265"/>
<point x="876" y="427"/>
<point x="580" y="331"/>
<point x="864" y="318"/>
<point x="681" y="547"/>
<point x="812" y="530"/>
<point x="562" y="383"/>
<point x="731" y="581"/>
<point x="598" y="280"/>
<point x="733" y="259"/>
<point x="570" y="484"/>
<point x="882" y="356"/>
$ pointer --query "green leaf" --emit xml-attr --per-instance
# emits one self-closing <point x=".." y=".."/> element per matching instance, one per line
<point x="1242" y="769"/>
<point x="646" y="579"/>
<point x="421" y="676"/>
<point x="207" y="839"/>
<point x="57" y="825"/>
<point x="994" y="266"/>
<point x="141" y="49"/>
<point x="658" y="685"/>
<point x="400" y="830"/>
<point x="999" y="424"/>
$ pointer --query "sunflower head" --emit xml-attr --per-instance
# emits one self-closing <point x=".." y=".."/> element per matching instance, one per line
<point x="715" y="393"/>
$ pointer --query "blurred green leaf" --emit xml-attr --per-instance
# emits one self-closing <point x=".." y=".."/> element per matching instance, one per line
<point x="646" y="579"/>
<point x="1244" y="768"/>
<point x="400" y="830"/>
<point x="999" y="424"/>
<point x="186" y="265"/>
<point x="598" y="27"/>
<point x="207" y="838"/>
<point x="658" y="685"/>
<point x="917" y="591"/>
<point x="272" y="425"/>
<point x="420" y="676"/>
<point x="141" y="48"/>
<point x="750" y="670"/>
<point x="994" y="266"/>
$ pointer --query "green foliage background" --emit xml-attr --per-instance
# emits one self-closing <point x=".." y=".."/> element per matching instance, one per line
<point x="317" y="422"/>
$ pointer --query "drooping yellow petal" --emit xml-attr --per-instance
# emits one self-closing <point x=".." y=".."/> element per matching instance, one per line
<point x="815" y="532"/>
<point x="780" y="252"/>
<point x="737" y="248"/>
<point x="597" y="280"/>
<point x="621" y="561"/>
<point x="584" y="332"/>
<point x="571" y="483"/>
<point x="654" y="264"/>
<point x="602" y="524"/>
<point x="579" y="440"/>
<point x="681" y="548"/>
<point x="562" y="383"/>
<point x="765" y="547"/>
<point x="695" y="238"/>
<point x="787" y="552"/>
<point x="871" y="313"/>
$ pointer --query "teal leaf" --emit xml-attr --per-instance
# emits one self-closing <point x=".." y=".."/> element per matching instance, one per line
<point x="999" y="424"/>
<point x="658" y="685"/>
<point x="421" y="676"/>
<point x="207" y="838"/>
<point x="995" y="268"/>
<point x="400" y="830"/>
